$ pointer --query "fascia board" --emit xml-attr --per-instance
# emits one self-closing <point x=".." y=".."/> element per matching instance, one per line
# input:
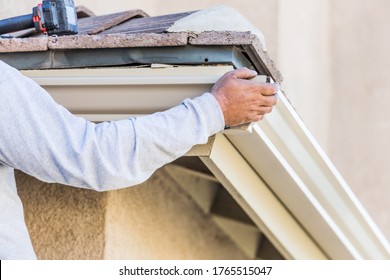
<point x="295" y="167"/>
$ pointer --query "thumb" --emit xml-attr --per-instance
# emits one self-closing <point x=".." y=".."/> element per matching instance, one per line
<point x="244" y="73"/>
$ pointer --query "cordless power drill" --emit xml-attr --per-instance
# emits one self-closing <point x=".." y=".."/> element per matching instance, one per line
<point x="53" y="17"/>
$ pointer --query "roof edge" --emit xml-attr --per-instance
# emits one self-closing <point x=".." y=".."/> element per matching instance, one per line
<point x="218" y="18"/>
<point x="12" y="45"/>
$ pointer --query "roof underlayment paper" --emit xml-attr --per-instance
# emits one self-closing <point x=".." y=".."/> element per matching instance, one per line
<point x="218" y="18"/>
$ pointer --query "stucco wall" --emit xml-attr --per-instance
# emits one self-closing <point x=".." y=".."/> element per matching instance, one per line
<point x="360" y="133"/>
<point x="158" y="220"/>
<point x="154" y="220"/>
<point x="64" y="222"/>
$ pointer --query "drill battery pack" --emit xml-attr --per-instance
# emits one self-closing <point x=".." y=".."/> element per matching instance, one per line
<point x="55" y="17"/>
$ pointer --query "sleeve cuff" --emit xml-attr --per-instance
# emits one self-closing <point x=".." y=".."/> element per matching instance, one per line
<point x="209" y="107"/>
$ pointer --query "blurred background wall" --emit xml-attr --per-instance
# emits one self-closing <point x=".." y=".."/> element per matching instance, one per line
<point x="334" y="57"/>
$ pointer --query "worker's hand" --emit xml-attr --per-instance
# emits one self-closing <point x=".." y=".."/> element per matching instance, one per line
<point x="243" y="100"/>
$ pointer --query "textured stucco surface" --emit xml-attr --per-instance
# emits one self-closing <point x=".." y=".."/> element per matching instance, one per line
<point x="155" y="220"/>
<point x="158" y="220"/>
<point x="64" y="222"/>
<point x="360" y="135"/>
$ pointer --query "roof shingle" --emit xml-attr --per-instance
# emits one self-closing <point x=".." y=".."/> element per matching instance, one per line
<point x="133" y="29"/>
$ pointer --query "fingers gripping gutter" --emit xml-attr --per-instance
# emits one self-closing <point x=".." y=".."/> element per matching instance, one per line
<point x="242" y="98"/>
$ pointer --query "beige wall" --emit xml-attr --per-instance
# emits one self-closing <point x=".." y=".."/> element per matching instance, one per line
<point x="62" y="220"/>
<point x="304" y="58"/>
<point x="155" y="220"/>
<point x="158" y="220"/>
<point x="360" y="133"/>
<point x="334" y="57"/>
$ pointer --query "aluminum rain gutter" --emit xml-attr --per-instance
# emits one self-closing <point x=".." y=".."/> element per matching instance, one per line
<point x="277" y="172"/>
<point x="112" y="93"/>
<point x="284" y="153"/>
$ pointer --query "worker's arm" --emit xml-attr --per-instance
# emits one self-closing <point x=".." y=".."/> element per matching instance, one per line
<point x="44" y="140"/>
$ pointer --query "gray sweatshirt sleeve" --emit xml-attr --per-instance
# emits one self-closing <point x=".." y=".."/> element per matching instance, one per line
<point x="45" y="140"/>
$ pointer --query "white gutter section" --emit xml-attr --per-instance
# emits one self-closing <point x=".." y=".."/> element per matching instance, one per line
<point x="277" y="172"/>
<point x="125" y="91"/>
<point x="285" y="154"/>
